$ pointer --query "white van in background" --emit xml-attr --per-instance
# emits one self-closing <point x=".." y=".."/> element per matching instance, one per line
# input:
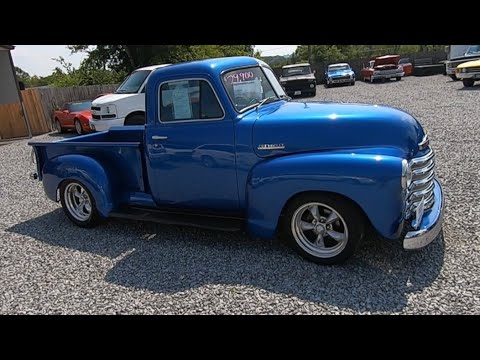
<point x="126" y="106"/>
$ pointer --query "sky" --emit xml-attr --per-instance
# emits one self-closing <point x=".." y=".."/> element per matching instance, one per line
<point x="38" y="59"/>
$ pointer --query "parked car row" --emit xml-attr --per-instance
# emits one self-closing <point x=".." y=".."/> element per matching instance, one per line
<point x="127" y="105"/>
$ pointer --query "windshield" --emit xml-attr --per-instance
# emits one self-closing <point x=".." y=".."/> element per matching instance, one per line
<point x="338" y="67"/>
<point x="297" y="70"/>
<point x="80" y="106"/>
<point x="473" y="50"/>
<point x="133" y="82"/>
<point x="247" y="87"/>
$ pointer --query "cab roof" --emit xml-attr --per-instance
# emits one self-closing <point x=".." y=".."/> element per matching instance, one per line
<point x="213" y="67"/>
<point x="295" y="65"/>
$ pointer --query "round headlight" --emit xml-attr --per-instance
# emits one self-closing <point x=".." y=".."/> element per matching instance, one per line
<point x="406" y="175"/>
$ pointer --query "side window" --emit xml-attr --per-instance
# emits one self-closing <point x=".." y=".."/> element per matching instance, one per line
<point x="183" y="100"/>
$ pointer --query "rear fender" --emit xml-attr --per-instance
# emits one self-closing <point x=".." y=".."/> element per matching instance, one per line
<point x="82" y="168"/>
<point x="370" y="181"/>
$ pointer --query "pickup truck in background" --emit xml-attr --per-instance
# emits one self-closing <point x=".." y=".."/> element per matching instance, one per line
<point x="383" y="68"/>
<point x="299" y="80"/>
<point x="459" y="54"/>
<point x="223" y="147"/>
<point x="124" y="107"/>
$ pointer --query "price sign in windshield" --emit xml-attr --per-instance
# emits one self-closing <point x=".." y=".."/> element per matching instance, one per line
<point x="238" y="77"/>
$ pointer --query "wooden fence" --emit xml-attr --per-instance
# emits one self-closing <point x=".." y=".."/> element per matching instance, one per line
<point x="12" y="122"/>
<point x="39" y="105"/>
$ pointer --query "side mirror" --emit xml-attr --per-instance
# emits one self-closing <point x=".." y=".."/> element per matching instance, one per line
<point x="314" y="71"/>
<point x="21" y="85"/>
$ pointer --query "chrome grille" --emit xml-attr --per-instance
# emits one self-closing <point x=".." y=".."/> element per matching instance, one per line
<point x="472" y="69"/>
<point x="423" y="173"/>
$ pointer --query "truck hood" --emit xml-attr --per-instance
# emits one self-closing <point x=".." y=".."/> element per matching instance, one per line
<point x="111" y="98"/>
<point x="386" y="60"/>
<point x="298" y="77"/>
<point x="291" y="127"/>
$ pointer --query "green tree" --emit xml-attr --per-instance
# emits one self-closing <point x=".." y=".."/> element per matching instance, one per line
<point x="22" y="75"/>
<point x="130" y="57"/>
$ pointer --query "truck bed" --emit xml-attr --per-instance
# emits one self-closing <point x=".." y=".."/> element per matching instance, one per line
<point x="119" y="150"/>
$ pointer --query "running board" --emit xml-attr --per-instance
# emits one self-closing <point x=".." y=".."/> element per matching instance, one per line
<point x="205" y="221"/>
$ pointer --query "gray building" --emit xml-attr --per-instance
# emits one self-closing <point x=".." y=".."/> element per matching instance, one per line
<point x="13" y="123"/>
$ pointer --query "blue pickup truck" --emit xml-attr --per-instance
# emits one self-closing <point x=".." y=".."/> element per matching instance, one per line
<point x="224" y="147"/>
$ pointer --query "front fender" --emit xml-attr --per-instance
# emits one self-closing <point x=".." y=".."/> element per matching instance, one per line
<point x="82" y="168"/>
<point x="371" y="181"/>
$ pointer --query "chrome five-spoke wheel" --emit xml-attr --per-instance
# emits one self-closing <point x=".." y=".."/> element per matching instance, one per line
<point x="78" y="204"/>
<point x="319" y="229"/>
<point x="323" y="227"/>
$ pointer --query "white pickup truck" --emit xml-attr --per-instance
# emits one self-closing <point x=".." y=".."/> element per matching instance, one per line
<point x="126" y="106"/>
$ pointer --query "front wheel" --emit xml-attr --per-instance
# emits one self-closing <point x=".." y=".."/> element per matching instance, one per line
<point x="78" y="127"/>
<point x="136" y="119"/>
<point x="352" y="83"/>
<point x="468" y="82"/>
<point x="323" y="228"/>
<point x="453" y="77"/>
<point x="79" y="204"/>
<point x="399" y="78"/>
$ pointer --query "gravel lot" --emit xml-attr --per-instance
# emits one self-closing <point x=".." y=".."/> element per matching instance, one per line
<point x="48" y="265"/>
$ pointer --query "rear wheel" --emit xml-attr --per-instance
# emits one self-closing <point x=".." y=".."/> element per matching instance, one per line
<point x="58" y="127"/>
<point x="79" y="204"/>
<point x="136" y="119"/>
<point x="78" y="127"/>
<point x="468" y="82"/>
<point x="323" y="228"/>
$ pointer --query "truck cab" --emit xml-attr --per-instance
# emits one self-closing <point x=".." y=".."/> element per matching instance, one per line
<point x="126" y="106"/>
<point x="225" y="148"/>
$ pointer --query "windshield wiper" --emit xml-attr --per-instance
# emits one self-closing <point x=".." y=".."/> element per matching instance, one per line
<point x="265" y="100"/>
<point x="258" y="104"/>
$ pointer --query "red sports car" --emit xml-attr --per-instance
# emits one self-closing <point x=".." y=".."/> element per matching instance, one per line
<point x="407" y="66"/>
<point x="74" y="116"/>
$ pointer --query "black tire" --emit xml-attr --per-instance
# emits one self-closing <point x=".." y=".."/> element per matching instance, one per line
<point x="136" y="119"/>
<point x="59" y="127"/>
<point x="93" y="220"/>
<point x="351" y="220"/>
<point x="453" y="77"/>
<point x="78" y="126"/>
<point x="468" y="82"/>
<point x="398" y="78"/>
<point x="327" y="85"/>
<point x="352" y="83"/>
<point x="313" y="94"/>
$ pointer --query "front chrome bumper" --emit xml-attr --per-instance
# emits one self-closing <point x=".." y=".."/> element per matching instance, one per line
<point x="388" y="76"/>
<point x="431" y="223"/>
<point x="472" y="75"/>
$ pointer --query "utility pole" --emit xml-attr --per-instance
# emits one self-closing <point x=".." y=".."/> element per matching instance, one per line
<point x="309" y="54"/>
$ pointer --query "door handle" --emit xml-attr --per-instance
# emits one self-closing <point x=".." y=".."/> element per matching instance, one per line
<point x="157" y="137"/>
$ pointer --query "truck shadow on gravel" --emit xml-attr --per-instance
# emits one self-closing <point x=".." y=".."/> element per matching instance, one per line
<point x="170" y="259"/>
